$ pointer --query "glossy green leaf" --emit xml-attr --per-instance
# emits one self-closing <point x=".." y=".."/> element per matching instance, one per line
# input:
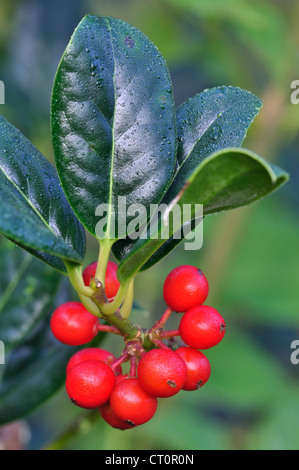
<point x="41" y="375"/>
<point x="35" y="372"/>
<point x="34" y="212"/>
<point x="27" y="289"/>
<point x="35" y="362"/>
<point x="113" y="122"/>
<point x="226" y="180"/>
<point x="215" y="119"/>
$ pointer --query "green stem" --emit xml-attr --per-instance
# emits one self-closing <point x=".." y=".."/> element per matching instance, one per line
<point x="111" y="307"/>
<point x="90" y="306"/>
<point x="128" y="301"/>
<point x="75" y="275"/>
<point x="104" y="253"/>
<point x="129" y="331"/>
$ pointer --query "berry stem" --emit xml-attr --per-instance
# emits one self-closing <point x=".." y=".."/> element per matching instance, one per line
<point x="133" y="365"/>
<point x="123" y="358"/>
<point x="169" y="333"/>
<point x="160" y="343"/>
<point x="161" y="322"/>
<point x="109" y="329"/>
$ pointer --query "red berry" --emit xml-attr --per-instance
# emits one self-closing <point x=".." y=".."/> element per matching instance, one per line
<point x="111" y="281"/>
<point x="92" y="354"/>
<point x="185" y="287"/>
<point x="72" y="324"/>
<point x="162" y="372"/>
<point x="112" y="419"/>
<point x="121" y="377"/>
<point x="202" y="327"/>
<point x="198" y="367"/>
<point x="90" y="383"/>
<point x="130" y="402"/>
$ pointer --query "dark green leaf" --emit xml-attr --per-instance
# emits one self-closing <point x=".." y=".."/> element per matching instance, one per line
<point x="35" y="371"/>
<point x="226" y="180"/>
<point x="35" y="367"/>
<point x="232" y="178"/>
<point x="27" y="289"/>
<point x="215" y="119"/>
<point x="34" y="212"/>
<point x="113" y="121"/>
<point x="212" y="120"/>
<point x="35" y="383"/>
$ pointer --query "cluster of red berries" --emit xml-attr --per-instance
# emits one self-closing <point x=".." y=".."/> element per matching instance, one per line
<point x="94" y="376"/>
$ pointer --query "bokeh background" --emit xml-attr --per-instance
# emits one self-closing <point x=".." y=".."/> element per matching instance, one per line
<point x="250" y="255"/>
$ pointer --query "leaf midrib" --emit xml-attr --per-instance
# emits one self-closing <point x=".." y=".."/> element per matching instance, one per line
<point x="109" y="213"/>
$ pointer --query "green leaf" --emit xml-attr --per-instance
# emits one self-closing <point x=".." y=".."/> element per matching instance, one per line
<point x="228" y="179"/>
<point x="34" y="212"/>
<point x="35" y="361"/>
<point x="113" y="121"/>
<point x="27" y="289"/>
<point x="35" y="372"/>
<point x="215" y="119"/>
<point x="232" y="178"/>
<point x="39" y="378"/>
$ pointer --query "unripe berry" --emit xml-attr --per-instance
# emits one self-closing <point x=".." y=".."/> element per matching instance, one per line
<point x="130" y="402"/>
<point x="185" y="287"/>
<point x="72" y="324"/>
<point x="202" y="327"/>
<point x="198" y="368"/>
<point x="92" y="354"/>
<point x="90" y="383"/>
<point x="111" y="282"/>
<point x="162" y="372"/>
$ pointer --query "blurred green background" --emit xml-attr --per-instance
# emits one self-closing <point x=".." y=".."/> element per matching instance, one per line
<point x="250" y="255"/>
